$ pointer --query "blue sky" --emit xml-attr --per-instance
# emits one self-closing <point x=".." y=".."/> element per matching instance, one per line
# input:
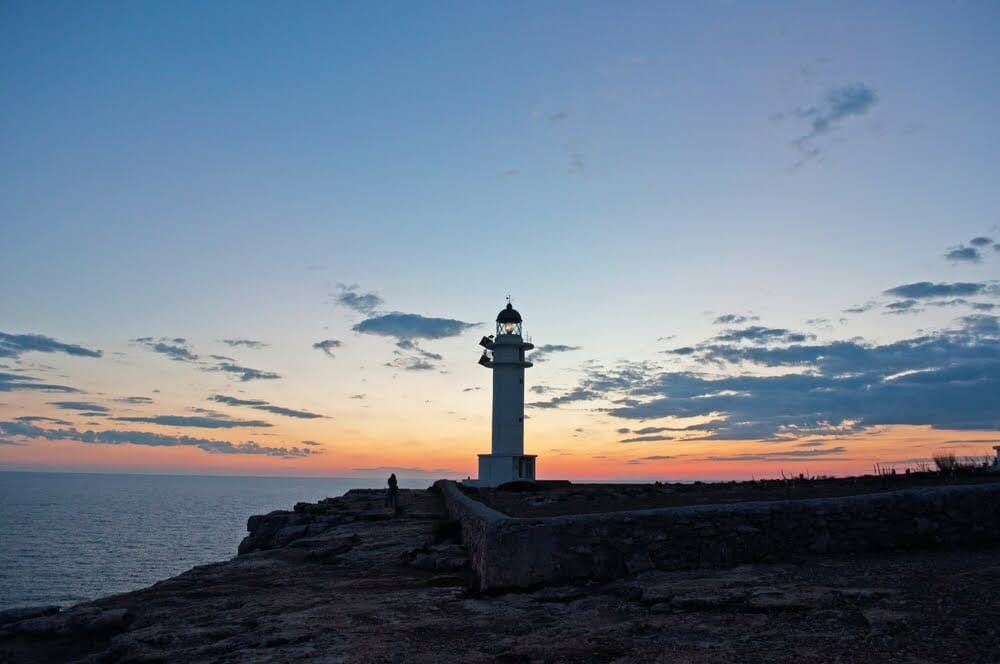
<point x="626" y="171"/>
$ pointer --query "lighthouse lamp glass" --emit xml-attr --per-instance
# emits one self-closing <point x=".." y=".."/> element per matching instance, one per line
<point x="508" y="327"/>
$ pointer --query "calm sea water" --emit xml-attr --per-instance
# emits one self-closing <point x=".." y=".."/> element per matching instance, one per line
<point x="68" y="537"/>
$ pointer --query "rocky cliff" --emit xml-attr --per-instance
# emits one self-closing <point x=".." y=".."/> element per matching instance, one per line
<point x="345" y="581"/>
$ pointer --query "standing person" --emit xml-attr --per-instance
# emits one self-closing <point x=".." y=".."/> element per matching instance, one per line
<point x="392" y="496"/>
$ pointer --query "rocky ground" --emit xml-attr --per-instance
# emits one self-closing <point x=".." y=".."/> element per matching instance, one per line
<point x="559" y="498"/>
<point x="358" y="585"/>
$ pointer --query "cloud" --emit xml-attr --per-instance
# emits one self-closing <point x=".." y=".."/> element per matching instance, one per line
<point x="683" y="350"/>
<point x="79" y="405"/>
<point x="759" y="334"/>
<point x="541" y="353"/>
<point x="176" y="348"/>
<point x="13" y="345"/>
<point x="824" y="118"/>
<point x="248" y="343"/>
<point x="789" y="391"/>
<point x="902" y="307"/>
<point x="245" y="373"/>
<point x="412" y="326"/>
<point x="644" y="439"/>
<point x="981" y="241"/>
<point x="964" y="255"/>
<point x="264" y="406"/>
<point x="39" y="418"/>
<point x="195" y="421"/>
<point x="861" y="308"/>
<point x="352" y="298"/>
<point x="734" y="319"/>
<point x="311" y="443"/>
<point x="135" y="400"/>
<point x="657" y="457"/>
<point x="14" y="429"/>
<point x="13" y="382"/>
<point x="791" y="455"/>
<point x="327" y="346"/>
<point x="559" y="117"/>
<point x="924" y="289"/>
<point x="471" y="389"/>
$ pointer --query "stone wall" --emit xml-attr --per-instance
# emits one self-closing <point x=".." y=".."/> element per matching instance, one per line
<point x="509" y="552"/>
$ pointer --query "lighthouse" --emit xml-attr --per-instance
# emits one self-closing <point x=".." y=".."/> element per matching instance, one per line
<point x="504" y="355"/>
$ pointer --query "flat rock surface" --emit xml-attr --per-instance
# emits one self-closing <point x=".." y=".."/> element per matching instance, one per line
<point x="375" y="589"/>
<point x="557" y="499"/>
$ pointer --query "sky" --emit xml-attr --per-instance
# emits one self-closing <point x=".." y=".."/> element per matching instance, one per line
<point x="252" y="238"/>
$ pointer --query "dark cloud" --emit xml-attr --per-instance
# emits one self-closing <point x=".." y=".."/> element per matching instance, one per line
<point x="411" y="357"/>
<point x="352" y="298"/>
<point x="824" y="118"/>
<point x="39" y="418"/>
<point x="176" y="348"/>
<point x="311" y="443"/>
<point x="644" y="439"/>
<point x="16" y="429"/>
<point x="925" y="289"/>
<point x="327" y="346"/>
<point x="412" y="326"/>
<point x="258" y="404"/>
<point x="947" y="380"/>
<point x="861" y="308"/>
<point x="657" y="457"/>
<point x="471" y="389"/>
<point x="541" y="353"/>
<point x="13" y="382"/>
<point x="734" y="319"/>
<point x="902" y="307"/>
<point x="248" y="343"/>
<point x="194" y="421"/>
<point x="964" y="255"/>
<point x="759" y="334"/>
<point x="981" y="241"/>
<point x="683" y="350"/>
<point x="80" y="406"/>
<point x="245" y="373"/>
<point x="135" y="400"/>
<point x="13" y="345"/>
<point x="559" y="117"/>
<point x="791" y="455"/>
<point x="983" y="306"/>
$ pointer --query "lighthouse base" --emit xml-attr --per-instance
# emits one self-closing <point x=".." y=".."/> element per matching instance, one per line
<point x="495" y="469"/>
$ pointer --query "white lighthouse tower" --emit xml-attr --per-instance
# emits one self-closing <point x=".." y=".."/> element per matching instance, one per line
<point x="504" y="354"/>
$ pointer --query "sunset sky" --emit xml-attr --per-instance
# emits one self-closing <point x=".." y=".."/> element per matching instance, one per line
<point x="265" y="239"/>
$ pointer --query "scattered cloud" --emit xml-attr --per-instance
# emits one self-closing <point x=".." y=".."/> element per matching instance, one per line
<point x="541" y="353"/>
<point x="964" y="255"/>
<point x="825" y="117"/>
<point x="734" y="319"/>
<point x="327" y="346"/>
<point x="351" y="297"/>
<point x="80" y="406"/>
<point x="13" y="429"/>
<point x="14" y="345"/>
<point x="39" y="418"/>
<point x="644" y="439"/>
<point x="201" y="422"/>
<point x="759" y="335"/>
<point x="13" y="382"/>
<point x="925" y="289"/>
<point x="412" y="326"/>
<point x="135" y="400"/>
<point x="790" y="455"/>
<point x="248" y="343"/>
<point x="902" y="307"/>
<point x="176" y="348"/>
<point x="981" y="241"/>
<point x="258" y="404"/>
<point x="861" y="308"/>
<point x="245" y="373"/>
<point x="561" y="116"/>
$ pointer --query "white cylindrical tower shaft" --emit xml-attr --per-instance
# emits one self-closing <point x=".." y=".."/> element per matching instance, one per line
<point x="508" y="394"/>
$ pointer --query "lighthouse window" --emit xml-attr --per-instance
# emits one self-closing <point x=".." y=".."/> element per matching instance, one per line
<point x="521" y="420"/>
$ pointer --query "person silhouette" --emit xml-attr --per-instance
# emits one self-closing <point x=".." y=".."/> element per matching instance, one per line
<point x="392" y="495"/>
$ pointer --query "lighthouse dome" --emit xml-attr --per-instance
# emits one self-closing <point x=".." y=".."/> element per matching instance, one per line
<point x="509" y="315"/>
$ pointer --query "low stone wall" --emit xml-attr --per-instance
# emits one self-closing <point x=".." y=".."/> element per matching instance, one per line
<point x="508" y="552"/>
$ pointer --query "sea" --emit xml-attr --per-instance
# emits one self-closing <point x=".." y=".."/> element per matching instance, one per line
<point x="71" y="537"/>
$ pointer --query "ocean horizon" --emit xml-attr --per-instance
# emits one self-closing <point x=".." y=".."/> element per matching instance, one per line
<point x="71" y="537"/>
